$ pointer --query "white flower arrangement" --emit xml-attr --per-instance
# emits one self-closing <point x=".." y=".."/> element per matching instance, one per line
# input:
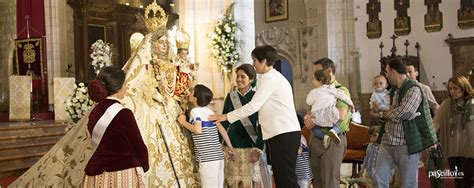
<point x="101" y="54"/>
<point x="223" y="41"/>
<point x="79" y="102"/>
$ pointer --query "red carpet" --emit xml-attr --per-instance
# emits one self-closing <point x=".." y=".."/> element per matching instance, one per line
<point x="4" y="117"/>
<point x="4" y="182"/>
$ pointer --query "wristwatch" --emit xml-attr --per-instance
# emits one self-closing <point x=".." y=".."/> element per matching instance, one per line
<point x="381" y="115"/>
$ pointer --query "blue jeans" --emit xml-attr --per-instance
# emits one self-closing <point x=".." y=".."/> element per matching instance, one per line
<point x="391" y="157"/>
<point x="317" y="132"/>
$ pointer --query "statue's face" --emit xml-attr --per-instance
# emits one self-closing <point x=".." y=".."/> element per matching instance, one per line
<point x="162" y="45"/>
<point x="183" y="53"/>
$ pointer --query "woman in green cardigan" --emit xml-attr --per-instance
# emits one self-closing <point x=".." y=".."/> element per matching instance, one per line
<point x="245" y="134"/>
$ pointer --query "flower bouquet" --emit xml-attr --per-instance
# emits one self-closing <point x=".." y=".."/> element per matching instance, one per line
<point x="101" y="55"/>
<point x="79" y="102"/>
<point x="223" y="41"/>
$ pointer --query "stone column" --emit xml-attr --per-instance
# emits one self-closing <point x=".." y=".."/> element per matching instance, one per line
<point x="59" y="40"/>
<point x="244" y="15"/>
<point x="7" y="45"/>
<point x="341" y="43"/>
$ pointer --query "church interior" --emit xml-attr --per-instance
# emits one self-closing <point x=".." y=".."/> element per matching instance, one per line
<point x="48" y="47"/>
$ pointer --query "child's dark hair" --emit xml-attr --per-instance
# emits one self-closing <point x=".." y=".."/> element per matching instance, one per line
<point x="374" y="130"/>
<point x="203" y="95"/>
<point x="322" y="76"/>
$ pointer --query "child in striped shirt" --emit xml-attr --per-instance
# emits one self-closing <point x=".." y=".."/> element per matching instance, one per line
<point x="207" y="147"/>
<point x="303" y="167"/>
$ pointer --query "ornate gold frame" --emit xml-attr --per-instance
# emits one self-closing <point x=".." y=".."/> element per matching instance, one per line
<point x="272" y="14"/>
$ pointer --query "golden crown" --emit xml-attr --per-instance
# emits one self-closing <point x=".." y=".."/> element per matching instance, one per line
<point x="155" y="22"/>
<point x="182" y="39"/>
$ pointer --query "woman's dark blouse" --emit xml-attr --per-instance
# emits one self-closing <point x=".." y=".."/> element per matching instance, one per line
<point x="236" y="131"/>
<point x="121" y="147"/>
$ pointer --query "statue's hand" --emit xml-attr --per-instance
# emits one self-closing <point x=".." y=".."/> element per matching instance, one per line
<point x="156" y="66"/>
<point x="158" y="97"/>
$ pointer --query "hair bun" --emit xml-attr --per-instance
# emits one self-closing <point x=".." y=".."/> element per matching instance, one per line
<point x="97" y="91"/>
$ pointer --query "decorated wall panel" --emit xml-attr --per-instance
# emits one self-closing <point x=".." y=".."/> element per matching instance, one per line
<point x="466" y="14"/>
<point x="20" y="105"/>
<point x="402" y="22"/>
<point x="374" y="25"/>
<point x="433" y="17"/>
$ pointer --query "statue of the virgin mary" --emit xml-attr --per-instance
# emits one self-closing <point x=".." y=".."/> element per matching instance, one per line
<point x="155" y="93"/>
<point x="154" y="96"/>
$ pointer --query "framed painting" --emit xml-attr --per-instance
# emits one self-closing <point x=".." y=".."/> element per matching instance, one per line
<point x="96" y="32"/>
<point x="276" y="10"/>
